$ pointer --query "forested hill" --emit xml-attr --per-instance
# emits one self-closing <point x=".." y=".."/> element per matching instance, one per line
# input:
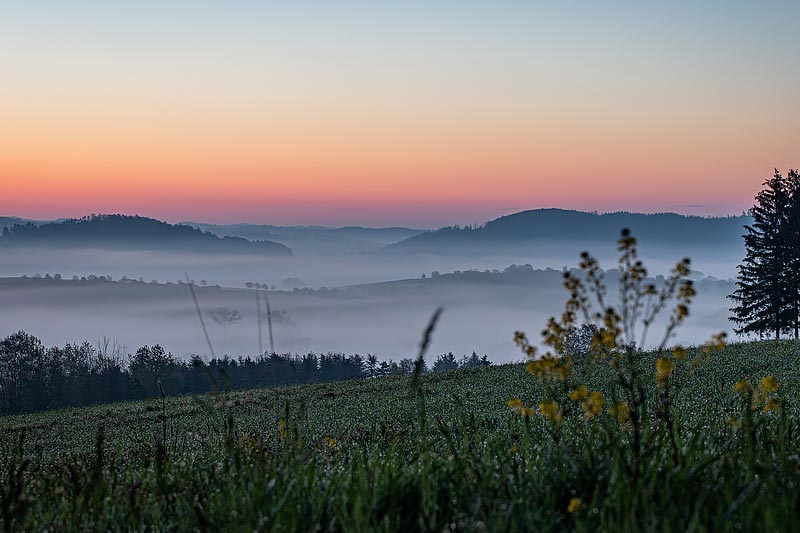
<point x="314" y="240"/>
<point x="132" y="233"/>
<point x="8" y="222"/>
<point x="563" y="226"/>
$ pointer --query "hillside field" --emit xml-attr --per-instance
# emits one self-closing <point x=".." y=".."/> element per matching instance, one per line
<point x="381" y="454"/>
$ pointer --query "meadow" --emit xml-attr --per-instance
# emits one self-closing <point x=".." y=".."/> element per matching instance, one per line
<point x="447" y="451"/>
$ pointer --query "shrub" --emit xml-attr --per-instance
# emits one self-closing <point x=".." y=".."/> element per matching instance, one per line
<point x="224" y="316"/>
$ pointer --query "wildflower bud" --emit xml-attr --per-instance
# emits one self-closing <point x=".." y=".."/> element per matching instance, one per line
<point x="768" y="384"/>
<point x="664" y="368"/>
<point x="549" y="410"/>
<point x="593" y="404"/>
<point x="579" y="394"/>
<point x="734" y="422"/>
<point x="621" y="412"/>
<point x="514" y="403"/>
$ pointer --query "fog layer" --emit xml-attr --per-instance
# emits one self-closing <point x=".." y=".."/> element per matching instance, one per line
<point x="482" y="311"/>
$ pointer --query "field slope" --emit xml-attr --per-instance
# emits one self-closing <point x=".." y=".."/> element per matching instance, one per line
<point x="381" y="454"/>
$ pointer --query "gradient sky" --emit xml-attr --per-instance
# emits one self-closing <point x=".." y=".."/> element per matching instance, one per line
<point x="383" y="113"/>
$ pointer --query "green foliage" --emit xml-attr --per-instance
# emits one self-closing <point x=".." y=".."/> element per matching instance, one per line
<point x="768" y="288"/>
<point x="444" y="362"/>
<point x="35" y="378"/>
<point x="352" y="456"/>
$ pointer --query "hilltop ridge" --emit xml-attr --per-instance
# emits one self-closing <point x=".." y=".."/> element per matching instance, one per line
<point x="130" y="232"/>
<point x="569" y="226"/>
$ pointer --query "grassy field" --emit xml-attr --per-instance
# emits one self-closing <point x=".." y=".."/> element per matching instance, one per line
<point x="381" y="454"/>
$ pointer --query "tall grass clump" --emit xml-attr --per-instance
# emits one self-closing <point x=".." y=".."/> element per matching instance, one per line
<point x="633" y="458"/>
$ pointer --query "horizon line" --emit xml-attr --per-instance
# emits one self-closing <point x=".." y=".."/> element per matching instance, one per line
<point x="516" y="211"/>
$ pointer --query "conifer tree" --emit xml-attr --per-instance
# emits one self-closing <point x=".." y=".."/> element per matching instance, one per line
<point x="767" y="290"/>
<point x="792" y="240"/>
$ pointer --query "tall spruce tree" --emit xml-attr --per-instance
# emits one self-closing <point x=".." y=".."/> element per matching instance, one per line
<point x="792" y="240"/>
<point x="767" y="289"/>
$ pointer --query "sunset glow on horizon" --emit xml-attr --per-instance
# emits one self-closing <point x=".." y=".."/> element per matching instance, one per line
<point x="380" y="115"/>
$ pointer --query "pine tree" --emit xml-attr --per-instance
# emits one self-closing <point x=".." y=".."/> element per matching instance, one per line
<point x="766" y="297"/>
<point x="445" y="362"/>
<point x="792" y="240"/>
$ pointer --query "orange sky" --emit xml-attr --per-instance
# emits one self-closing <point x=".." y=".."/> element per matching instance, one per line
<point x="376" y="116"/>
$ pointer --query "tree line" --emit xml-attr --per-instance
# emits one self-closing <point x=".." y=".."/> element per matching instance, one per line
<point x="768" y="286"/>
<point x="34" y="377"/>
<point x="109" y="278"/>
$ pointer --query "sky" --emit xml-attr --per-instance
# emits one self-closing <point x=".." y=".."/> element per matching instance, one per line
<point x="421" y="114"/>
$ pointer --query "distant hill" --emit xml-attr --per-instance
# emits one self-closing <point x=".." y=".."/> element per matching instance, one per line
<point x="133" y="233"/>
<point x="514" y="276"/>
<point x="7" y="222"/>
<point x="315" y="240"/>
<point x="544" y="227"/>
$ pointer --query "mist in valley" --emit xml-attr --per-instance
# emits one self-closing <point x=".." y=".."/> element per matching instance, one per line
<point x="343" y="290"/>
<point x="482" y="311"/>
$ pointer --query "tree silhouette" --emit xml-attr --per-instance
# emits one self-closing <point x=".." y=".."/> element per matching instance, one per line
<point x="224" y="316"/>
<point x="35" y="378"/>
<point x="371" y="366"/>
<point x="445" y="362"/>
<point x="767" y="293"/>
<point x="792" y="240"/>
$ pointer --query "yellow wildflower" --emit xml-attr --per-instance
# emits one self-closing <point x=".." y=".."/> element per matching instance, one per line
<point x="741" y="386"/>
<point x="680" y="352"/>
<point x="249" y="441"/>
<point x="330" y="442"/>
<point x="518" y="407"/>
<point x="575" y="505"/>
<point x="768" y="384"/>
<point x="664" y="368"/>
<point x="621" y="412"/>
<point x="550" y="366"/>
<point x="605" y="338"/>
<point x="734" y="422"/>
<point x="772" y="405"/>
<point x="549" y="410"/>
<point x="579" y="394"/>
<point x="718" y="340"/>
<point x="593" y="404"/>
